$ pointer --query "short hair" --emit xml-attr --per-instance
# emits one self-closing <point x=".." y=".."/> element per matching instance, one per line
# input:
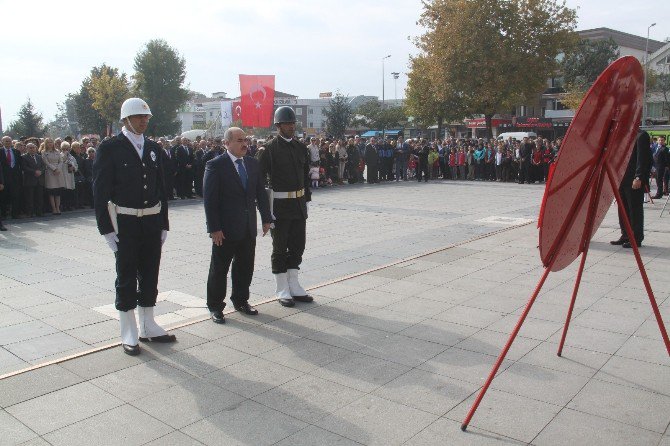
<point x="90" y="150"/>
<point x="75" y="145"/>
<point x="64" y="145"/>
<point x="31" y="144"/>
<point x="228" y="134"/>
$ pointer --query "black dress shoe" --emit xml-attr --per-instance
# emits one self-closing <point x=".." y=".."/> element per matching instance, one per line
<point x="628" y="245"/>
<point x="132" y="350"/>
<point x="217" y="317"/>
<point x="287" y="302"/>
<point x="164" y="339"/>
<point x="246" y="309"/>
<point x="621" y="241"/>
<point x="657" y="197"/>
<point x="306" y="298"/>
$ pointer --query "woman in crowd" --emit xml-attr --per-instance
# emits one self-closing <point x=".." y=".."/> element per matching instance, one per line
<point x="342" y="154"/>
<point x="54" y="178"/>
<point x="69" y="167"/>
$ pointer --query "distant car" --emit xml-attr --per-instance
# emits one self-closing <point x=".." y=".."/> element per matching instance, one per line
<point x="516" y="135"/>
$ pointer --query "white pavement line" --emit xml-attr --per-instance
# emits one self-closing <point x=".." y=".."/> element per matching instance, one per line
<point x="272" y="299"/>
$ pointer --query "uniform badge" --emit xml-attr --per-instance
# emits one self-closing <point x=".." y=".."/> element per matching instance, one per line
<point x="153" y="156"/>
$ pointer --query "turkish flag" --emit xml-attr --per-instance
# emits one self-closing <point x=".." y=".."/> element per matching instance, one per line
<point x="237" y="111"/>
<point x="257" y="97"/>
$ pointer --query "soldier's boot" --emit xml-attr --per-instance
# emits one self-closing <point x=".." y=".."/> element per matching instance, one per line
<point x="150" y="331"/>
<point x="297" y="291"/>
<point x="129" y="332"/>
<point x="282" y="293"/>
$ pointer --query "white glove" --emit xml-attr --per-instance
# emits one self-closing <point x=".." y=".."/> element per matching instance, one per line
<point x="307" y="206"/>
<point x="163" y="236"/>
<point x="112" y="240"/>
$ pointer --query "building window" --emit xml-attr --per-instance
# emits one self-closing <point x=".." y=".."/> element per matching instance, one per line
<point x="311" y="125"/>
<point x="310" y="111"/>
<point x="298" y="111"/>
<point x="323" y="124"/>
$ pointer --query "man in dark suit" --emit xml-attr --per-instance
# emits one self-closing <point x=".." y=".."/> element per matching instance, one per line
<point x="131" y="212"/>
<point x="233" y="187"/>
<point x="372" y="161"/>
<point x="169" y="169"/>
<point x="185" y="158"/>
<point x="526" y="155"/>
<point x="662" y="158"/>
<point x="214" y="151"/>
<point x="632" y="189"/>
<point x="10" y="161"/>
<point x="33" y="181"/>
<point x="2" y="186"/>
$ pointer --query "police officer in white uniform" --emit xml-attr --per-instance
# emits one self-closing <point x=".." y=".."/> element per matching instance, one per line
<point x="131" y="212"/>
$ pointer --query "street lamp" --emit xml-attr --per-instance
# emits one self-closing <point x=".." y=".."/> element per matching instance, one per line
<point x="395" y="75"/>
<point x="383" y="79"/>
<point x="646" y="67"/>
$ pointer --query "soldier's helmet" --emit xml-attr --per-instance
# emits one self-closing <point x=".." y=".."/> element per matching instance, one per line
<point x="284" y="114"/>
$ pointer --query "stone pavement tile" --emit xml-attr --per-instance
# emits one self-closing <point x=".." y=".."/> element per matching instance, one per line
<point x="474" y="317"/>
<point x="497" y="273"/>
<point x="445" y="333"/>
<point x="391" y="319"/>
<point x="350" y="337"/>
<point x="623" y="307"/>
<point x="35" y="383"/>
<point x="13" y="431"/>
<point x="305" y="355"/>
<point x="491" y="343"/>
<point x="9" y="362"/>
<point x="45" y="346"/>
<point x="493" y="302"/>
<point x="24" y="331"/>
<point x="257" y="339"/>
<point x="421" y="307"/>
<point x="338" y="290"/>
<point x="447" y="295"/>
<point x="366" y="282"/>
<point x="211" y="331"/>
<point x="463" y="365"/>
<point x="426" y="391"/>
<point x="555" y="312"/>
<point x="13" y="317"/>
<point x="302" y="324"/>
<point x="252" y="376"/>
<point x="141" y="380"/>
<point x="104" y="362"/>
<point x="308" y="398"/>
<point x="509" y="415"/>
<point x="393" y="272"/>
<point x="649" y="328"/>
<point x="532" y="328"/>
<point x="575" y="360"/>
<point x="446" y="431"/>
<point x="403" y="349"/>
<point x="191" y="401"/>
<point x="204" y="358"/>
<point x="360" y="372"/>
<point x="75" y="319"/>
<point x="184" y="341"/>
<point x="404" y="288"/>
<point x="106" y="330"/>
<point x="72" y="404"/>
<point x="373" y="298"/>
<point x="435" y="277"/>
<point x="571" y="427"/>
<point x="628" y="405"/>
<point x="61" y="307"/>
<point x="531" y="381"/>
<point x="591" y="339"/>
<point x="638" y="374"/>
<point x="609" y="321"/>
<point x="312" y="435"/>
<point x="643" y="349"/>
<point x="175" y="438"/>
<point x="377" y="421"/>
<point x="248" y="423"/>
<point x="27" y="296"/>
<point x="37" y="441"/>
<point x="70" y="287"/>
<point x="122" y="425"/>
<point x="342" y="310"/>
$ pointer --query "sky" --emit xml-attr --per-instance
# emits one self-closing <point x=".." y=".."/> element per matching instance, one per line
<point x="311" y="47"/>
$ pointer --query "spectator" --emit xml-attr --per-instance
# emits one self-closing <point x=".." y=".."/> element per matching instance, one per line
<point x="10" y="196"/>
<point x="54" y="179"/>
<point x="69" y="168"/>
<point x="33" y="181"/>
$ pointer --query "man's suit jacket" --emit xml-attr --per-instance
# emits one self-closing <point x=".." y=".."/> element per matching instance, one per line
<point x="228" y="206"/>
<point x="30" y="164"/>
<point x="12" y="175"/>
<point x="169" y="162"/>
<point x="184" y="156"/>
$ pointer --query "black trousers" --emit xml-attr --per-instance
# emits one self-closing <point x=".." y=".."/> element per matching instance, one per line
<point x="288" y="244"/>
<point x="137" y="262"/>
<point x="422" y="170"/>
<point x="32" y="199"/>
<point x="660" y="180"/>
<point x="10" y="198"/>
<point x="524" y="173"/>
<point x="241" y="253"/>
<point x="373" y="174"/>
<point x="632" y="200"/>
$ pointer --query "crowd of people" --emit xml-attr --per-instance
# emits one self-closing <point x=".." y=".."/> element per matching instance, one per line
<point x="55" y="175"/>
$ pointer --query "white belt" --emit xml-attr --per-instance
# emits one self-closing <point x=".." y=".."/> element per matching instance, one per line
<point x="139" y="212"/>
<point x="293" y="194"/>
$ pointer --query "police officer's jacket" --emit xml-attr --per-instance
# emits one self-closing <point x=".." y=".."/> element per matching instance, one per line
<point x="286" y="164"/>
<point x="121" y="176"/>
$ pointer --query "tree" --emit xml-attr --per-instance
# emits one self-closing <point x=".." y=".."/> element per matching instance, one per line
<point x="495" y="54"/>
<point x="108" y="91"/>
<point x="87" y="117"/>
<point x="60" y="126"/>
<point x="338" y="115"/>
<point x="374" y="116"/>
<point x="28" y="123"/>
<point x="159" y="77"/>
<point x="428" y="101"/>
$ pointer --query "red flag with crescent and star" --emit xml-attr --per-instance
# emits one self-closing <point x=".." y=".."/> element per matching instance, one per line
<point x="237" y="111"/>
<point x="257" y="97"/>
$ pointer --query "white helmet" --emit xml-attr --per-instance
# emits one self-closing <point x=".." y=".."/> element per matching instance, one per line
<point x="134" y="106"/>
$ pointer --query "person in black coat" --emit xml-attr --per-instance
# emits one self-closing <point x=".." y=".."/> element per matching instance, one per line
<point x="2" y="187"/>
<point x="10" y="162"/>
<point x="372" y="161"/>
<point x="632" y="189"/>
<point x="662" y="158"/>
<point x="353" y="160"/>
<point x="33" y="181"/>
<point x="285" y="162"/>
<point x="169" y="169"/>
<point x="132" y="214"/>
<point x="185" y="159"/>
<point x="525" y="158"/>
<point x="233" y="187"/>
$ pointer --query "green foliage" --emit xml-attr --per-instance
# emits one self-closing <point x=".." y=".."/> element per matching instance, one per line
<point x="61" y="124"/>
<point x="494" y="54"/>
<point x="589" y="58"/>
<point x="108" y="91"/>
<point x="159" y="77"/>
<point x="338" y="115"/>
<point x="376" y="117"/>
<point x="88" y="118"/>
<point x="28" y="123"/>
